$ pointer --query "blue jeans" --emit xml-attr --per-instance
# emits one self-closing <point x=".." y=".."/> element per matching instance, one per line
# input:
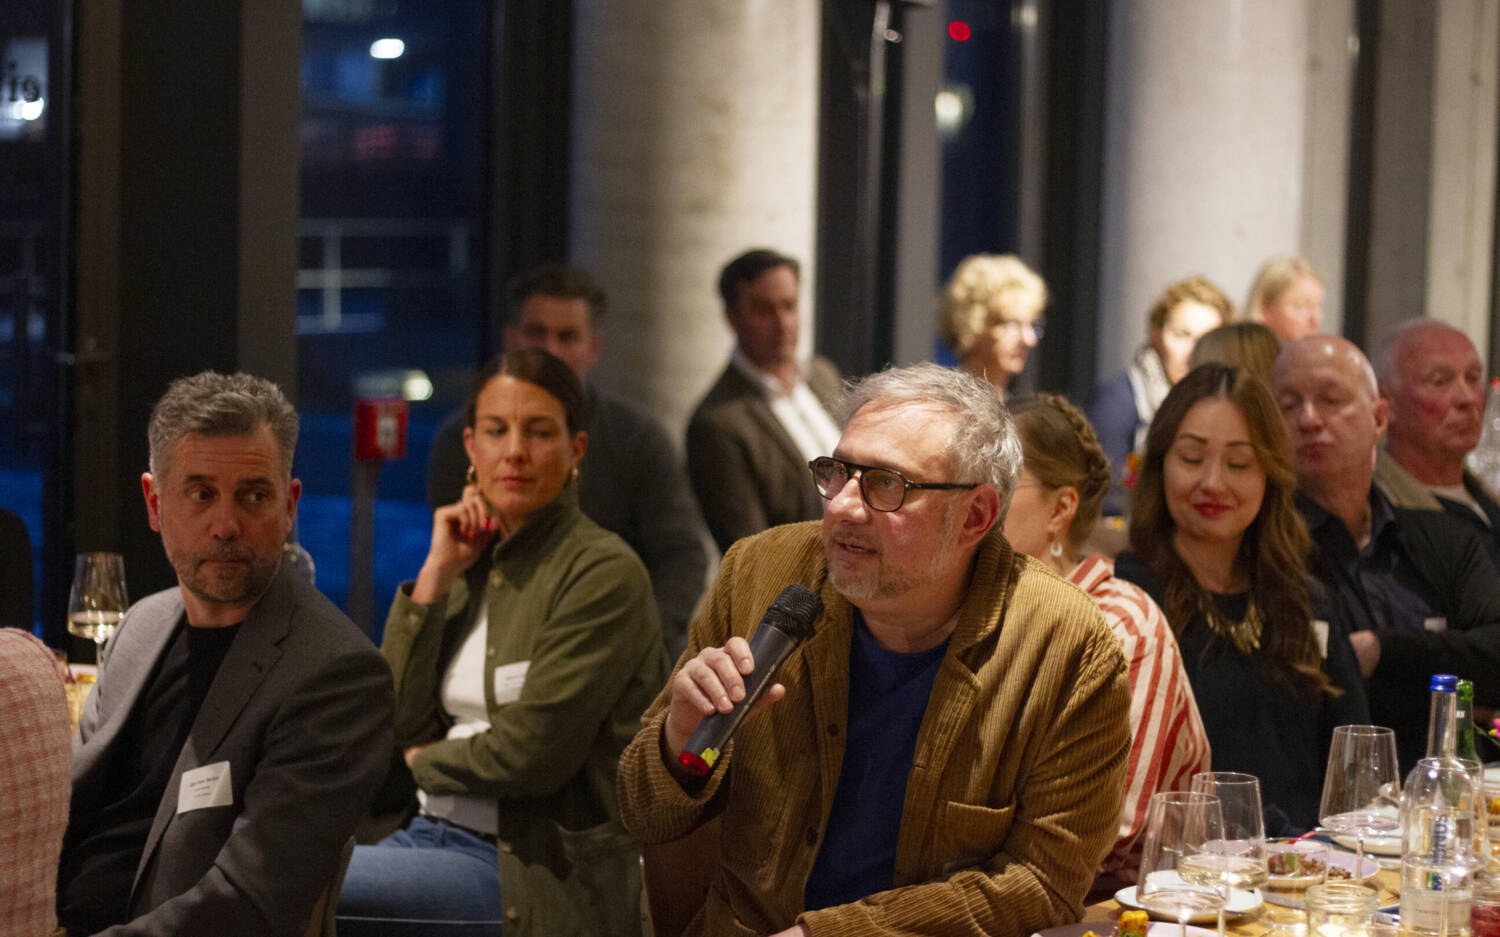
<point x="428" y="880"/>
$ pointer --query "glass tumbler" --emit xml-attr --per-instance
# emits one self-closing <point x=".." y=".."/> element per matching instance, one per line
<point x="1484" y="918"/>
<point x="1334" y="909"/>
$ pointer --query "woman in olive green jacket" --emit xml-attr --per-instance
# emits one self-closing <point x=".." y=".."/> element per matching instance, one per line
<point x="524" y="654"/>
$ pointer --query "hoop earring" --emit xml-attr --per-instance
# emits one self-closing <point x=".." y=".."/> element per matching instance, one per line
<point x="1056" y="550"/>
<point x="471" y="477"/>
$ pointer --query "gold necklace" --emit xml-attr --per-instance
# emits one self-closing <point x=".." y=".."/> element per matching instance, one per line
<point x="1243" y="634"/>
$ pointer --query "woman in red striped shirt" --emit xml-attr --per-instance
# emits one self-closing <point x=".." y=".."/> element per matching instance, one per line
<point x="1052" y="514"/>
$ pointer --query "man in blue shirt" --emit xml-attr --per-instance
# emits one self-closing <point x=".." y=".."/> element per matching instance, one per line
<point x="1417" y="587"/>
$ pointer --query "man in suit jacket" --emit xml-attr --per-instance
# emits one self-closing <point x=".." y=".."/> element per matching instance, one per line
<point x="241" y="723"/>
<point x="768" y="415"/>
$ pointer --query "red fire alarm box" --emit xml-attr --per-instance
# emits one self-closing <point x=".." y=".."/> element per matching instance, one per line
<point x="380" y="429"/>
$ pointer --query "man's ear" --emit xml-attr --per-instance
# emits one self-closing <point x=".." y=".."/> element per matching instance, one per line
<point x="1382" y="417"/>
<point x="982" y="513"/>
<point x="152" y="496"/>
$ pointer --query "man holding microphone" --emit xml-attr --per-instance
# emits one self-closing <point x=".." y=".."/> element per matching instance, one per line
<point x="947" y="752"/>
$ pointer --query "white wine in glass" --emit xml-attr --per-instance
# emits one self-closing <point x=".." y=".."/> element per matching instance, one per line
<point x="1180" y="826"/>
<point x="97" y="601"/>
<point x="1240" y="857"/>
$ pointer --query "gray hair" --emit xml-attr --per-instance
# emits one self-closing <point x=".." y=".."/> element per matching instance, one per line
<point x="1394" y="341"/>
<point x="213" y="404"/>
<point x="984" y="446"/>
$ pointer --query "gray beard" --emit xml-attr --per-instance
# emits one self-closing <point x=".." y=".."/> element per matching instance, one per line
<point x="249" y="585"/>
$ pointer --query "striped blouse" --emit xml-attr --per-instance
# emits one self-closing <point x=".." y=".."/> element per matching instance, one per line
<point x="1168" y="743"/>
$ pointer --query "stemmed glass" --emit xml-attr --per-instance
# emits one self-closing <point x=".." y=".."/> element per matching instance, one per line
<point x="1240" y="857"/>
<point x="97" y="601"/>
<point x="1361" y="761"/>
<point x="1180" y="826"/>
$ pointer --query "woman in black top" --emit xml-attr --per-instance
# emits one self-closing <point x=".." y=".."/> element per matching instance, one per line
<point x="1217" y="542"/>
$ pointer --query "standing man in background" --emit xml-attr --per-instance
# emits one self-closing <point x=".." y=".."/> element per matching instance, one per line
<point x="751" y="437"/>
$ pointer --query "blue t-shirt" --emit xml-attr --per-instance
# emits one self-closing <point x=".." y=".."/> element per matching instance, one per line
<point x="888" y="694"/>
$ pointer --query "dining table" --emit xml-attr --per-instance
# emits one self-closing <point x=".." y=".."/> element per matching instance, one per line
<point x="1269" y="917"/>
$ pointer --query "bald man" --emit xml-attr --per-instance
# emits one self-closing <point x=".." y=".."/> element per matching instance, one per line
<point x="1416" y="587"/>
<point x="1432" y="376"/>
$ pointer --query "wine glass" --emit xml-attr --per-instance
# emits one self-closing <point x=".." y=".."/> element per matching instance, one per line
<point x="1361" y="760"/>
<point x="1240" y="856"/>
<point x="1180" y="827"/>
<point x="97" y="601"/>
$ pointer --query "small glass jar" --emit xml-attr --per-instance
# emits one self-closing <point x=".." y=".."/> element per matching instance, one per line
<point x="1338" y="907"/>
<point x="1484" y="916"/>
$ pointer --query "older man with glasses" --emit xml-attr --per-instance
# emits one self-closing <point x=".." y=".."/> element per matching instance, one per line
<point x="946" y="753"/>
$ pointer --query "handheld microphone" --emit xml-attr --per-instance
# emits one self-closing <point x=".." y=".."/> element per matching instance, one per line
<point x="786" y="624"/>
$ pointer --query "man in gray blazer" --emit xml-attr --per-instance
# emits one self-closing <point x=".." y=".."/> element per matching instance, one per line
<point x="768" y="415"/>
<point x="241" y="723"/>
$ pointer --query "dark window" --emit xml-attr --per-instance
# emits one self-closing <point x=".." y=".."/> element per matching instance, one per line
<point x="390" y="248"/>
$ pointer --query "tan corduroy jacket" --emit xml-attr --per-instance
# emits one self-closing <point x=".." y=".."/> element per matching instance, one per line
<point x="1016" y="782"/>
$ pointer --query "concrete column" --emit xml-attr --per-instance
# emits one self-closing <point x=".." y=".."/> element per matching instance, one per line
<point x="693" y="137"/>
<point x="1204" y="151"/>
<point x="1332" y="47"/>
<point x="1461" y="221"/>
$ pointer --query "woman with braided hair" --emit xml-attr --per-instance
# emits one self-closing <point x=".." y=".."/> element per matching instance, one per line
<point x="1052" y="513"/>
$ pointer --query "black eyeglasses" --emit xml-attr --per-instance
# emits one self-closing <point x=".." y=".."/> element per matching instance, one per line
<point x="883" y="489"/>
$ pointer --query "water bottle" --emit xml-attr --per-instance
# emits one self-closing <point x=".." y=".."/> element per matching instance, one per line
<point x="1442" y="716"/>
<point x="1484" y="461"/>
<point x="1437" y="848"/>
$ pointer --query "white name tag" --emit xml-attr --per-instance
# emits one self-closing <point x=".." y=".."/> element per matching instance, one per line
<point x="1320" y="631"/>
<point x="207" y="786"/>
<point x="1434" y="624"/>
<point x="508" y="681"/>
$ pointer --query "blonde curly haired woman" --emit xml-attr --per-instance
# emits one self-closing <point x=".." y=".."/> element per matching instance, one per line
<point x="1287" y="295"/>
<point x="991" y="315"/>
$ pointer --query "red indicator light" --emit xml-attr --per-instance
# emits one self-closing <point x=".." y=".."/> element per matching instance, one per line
<point x="959" y="30"/>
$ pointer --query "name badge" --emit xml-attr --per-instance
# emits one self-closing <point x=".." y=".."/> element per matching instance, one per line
<point x="207" y="786"/>
<point x="1320" y="631"/>
<point x="508" y="681"/>
<point x="1434" y="624"/>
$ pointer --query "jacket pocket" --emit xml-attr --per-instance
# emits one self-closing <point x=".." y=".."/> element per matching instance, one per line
<point x="972" y="834"/>
<point x="573" y="882"/>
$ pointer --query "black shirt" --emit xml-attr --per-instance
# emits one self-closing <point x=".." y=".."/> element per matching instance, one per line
<point x="1375" y="586"/>
<point x="107" y="829"/>
<point x="1426" y="586"/>
<point x="1255" y="722"/>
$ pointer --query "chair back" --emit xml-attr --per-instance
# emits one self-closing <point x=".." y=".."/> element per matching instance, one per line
<point x="321" y="924"/>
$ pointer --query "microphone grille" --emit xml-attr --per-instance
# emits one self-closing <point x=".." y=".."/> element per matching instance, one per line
<point x="795" y="610"/>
